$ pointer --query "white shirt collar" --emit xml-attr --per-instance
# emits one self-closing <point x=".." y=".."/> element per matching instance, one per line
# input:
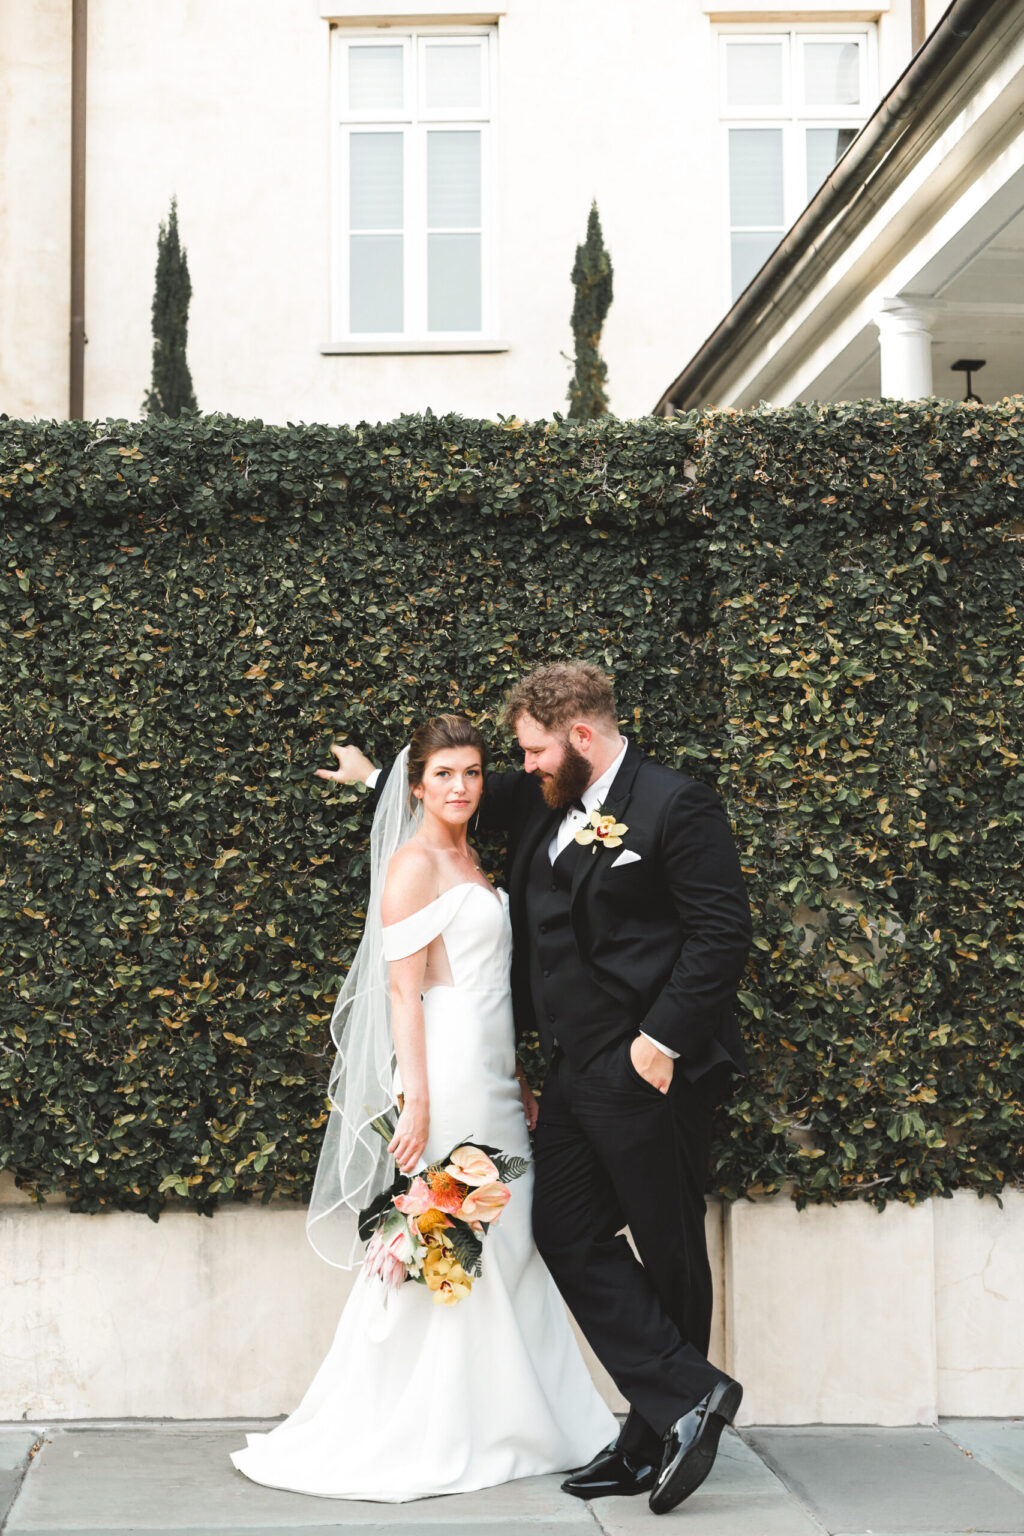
<point x="595" y="793"/>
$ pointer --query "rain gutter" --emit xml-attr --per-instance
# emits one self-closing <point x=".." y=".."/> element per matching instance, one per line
<point x="76" y="362"/>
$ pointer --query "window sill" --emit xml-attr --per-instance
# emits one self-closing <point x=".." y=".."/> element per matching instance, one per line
<point x="412" y="12"/>
<point x="404" y="346"/>
<point x="793" y="12"/>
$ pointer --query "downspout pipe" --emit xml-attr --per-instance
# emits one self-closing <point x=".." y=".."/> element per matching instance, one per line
<point x="874" y="142"/>
<point x="76" y="366"/>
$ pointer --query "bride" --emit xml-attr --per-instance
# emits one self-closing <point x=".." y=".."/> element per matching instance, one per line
<point x="414" y="1398"/>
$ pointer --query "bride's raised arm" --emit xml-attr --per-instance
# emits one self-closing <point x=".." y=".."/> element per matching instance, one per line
<point x="354" y="767"/>
<point x="411" y="884"/>
<point x="498" y="810"/>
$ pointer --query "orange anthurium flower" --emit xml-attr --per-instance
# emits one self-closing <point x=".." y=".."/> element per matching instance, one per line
<point x="471" y="1166"/>
<point x="485" y="1203"/>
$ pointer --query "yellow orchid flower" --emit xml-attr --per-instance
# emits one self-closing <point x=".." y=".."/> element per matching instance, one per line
<point x="604" y="832"/>
<point x="446" y="1277"/>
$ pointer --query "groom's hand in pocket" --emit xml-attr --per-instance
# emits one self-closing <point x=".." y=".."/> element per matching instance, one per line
<point x="651" y="1063"/>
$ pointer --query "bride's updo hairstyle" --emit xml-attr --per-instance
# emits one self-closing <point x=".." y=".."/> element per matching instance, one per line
<point x="438" y="734"/>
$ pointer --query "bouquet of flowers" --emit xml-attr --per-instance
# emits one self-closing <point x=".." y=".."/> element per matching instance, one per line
<point x="430" y="1226"/>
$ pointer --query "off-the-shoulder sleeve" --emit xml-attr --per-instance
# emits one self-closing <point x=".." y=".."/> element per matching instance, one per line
<point x="416" y="931"/>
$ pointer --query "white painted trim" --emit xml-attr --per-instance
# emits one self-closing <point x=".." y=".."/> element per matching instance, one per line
<point x="408" y="348"/>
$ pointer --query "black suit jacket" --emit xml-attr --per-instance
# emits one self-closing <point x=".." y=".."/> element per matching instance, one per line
<point x="667" y="935"/>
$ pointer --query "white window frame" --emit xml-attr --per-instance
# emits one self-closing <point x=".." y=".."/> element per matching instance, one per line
<point x="792" y="117"/>
<point x="414" y="127"/>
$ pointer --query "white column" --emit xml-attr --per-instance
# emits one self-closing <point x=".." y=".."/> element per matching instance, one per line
<point x="905" y="341"/>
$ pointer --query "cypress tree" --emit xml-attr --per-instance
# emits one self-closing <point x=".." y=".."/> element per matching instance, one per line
<point x="592" y="279"/>
<point x="171" y="391"/>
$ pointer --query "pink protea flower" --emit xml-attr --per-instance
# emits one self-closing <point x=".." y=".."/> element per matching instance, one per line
<point x="373" y="1259"/>
<point x="390" y="1253"/>
<point x="393" y="1271"/>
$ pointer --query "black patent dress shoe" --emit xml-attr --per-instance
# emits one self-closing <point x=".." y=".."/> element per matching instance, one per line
<point x="691" y="1445"/>
<point x="611" y="1471"/>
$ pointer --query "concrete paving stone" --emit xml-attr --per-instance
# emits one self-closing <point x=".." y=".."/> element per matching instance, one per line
<point x="742" y="1497"/>
<point x="178" y="1479"/>
<point x="403" y="1525"/>
<point x="15" y="1445"/>
<point x="738" y="1469"/>
<point x="996" y="1443"/>
<point x="711" y="1514"/>
<point x="907" y="1482"/>
<point x="405" y="1522"/>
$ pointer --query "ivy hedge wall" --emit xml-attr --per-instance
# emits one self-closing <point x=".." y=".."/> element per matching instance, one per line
<point x="819" y="609"/>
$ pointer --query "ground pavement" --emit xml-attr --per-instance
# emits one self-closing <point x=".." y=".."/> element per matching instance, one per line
<point x="174" y="1479"/>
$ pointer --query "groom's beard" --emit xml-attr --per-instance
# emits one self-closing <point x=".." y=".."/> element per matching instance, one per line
<point x="568" y="781"/>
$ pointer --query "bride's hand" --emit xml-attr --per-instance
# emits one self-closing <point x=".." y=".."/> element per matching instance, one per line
<point x="354" y="767"/>
<point x="410" y="1138"/>
<point x="530" y="1105"/>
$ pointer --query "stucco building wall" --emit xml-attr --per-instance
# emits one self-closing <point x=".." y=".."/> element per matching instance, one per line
<point x="227" y="104"/>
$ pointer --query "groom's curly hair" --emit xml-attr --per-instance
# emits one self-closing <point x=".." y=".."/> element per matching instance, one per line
<point x="562" y="692"/>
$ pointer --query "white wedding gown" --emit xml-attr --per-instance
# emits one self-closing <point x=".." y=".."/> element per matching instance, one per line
<point x="415" y="1398"/>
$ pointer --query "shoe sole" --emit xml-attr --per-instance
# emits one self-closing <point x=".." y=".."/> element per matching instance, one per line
<point x="699" y="1460"/>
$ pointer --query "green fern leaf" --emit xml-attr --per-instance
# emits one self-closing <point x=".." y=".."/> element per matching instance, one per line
<point x="466" y="1247"/>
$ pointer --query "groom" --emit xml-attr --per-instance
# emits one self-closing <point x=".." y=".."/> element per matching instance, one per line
<point x="631" y="928"/>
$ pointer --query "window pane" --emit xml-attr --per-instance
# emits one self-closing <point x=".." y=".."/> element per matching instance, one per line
<point x="749" y="254"/>
<point x="755" y="176"/>
<point x="825" y="146"/>
<point x="375" y="283"/>
<point x="375" y="78"/>
<point x="754" y="74"/>
<point x="453" y="283"/>
<point x="832" y="74"/>
<point x="375" y="181"/>
<point x="453" y="75"/>
<point x="453" y="179"/>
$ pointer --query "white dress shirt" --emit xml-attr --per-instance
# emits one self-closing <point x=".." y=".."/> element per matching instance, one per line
<point x="574" y="819"/>
<point x="593" y="796"/>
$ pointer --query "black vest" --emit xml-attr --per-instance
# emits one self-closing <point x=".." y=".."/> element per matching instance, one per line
<point x="570" y="1006"/>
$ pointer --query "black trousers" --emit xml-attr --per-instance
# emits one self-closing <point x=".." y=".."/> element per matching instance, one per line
<point x="613" y="1151"/>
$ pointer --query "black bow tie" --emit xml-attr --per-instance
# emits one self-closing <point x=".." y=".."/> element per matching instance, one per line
<point x="577" y="805"/>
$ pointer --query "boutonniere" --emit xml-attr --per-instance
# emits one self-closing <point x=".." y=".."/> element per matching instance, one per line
<point x="604" y="831"/>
